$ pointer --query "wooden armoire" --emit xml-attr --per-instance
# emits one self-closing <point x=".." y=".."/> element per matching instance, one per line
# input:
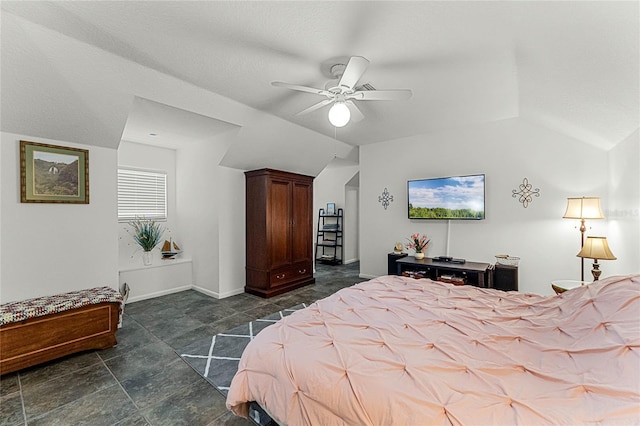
<point x="279" y="231"/>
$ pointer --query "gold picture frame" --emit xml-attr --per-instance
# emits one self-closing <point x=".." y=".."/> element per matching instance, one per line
<point x="53" y="174"/>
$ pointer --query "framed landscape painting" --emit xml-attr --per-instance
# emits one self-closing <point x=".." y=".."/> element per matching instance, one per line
<point x="53" y="174"/>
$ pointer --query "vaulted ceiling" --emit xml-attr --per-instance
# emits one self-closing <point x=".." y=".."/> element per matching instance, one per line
<point x="570" y="66"/>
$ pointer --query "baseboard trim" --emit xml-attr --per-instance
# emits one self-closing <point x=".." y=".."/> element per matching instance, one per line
<point x="183" y="288"/>
<point x="158" y="294"/>
<point x="207" y="292"/>
<point x="346" y="262"/>
<point x="219" y="295"/>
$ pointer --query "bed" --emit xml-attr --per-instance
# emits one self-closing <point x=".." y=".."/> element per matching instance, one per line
<point x="396" y="350"/>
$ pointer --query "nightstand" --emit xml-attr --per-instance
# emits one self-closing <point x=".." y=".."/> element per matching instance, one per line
<point x="560" y="286"/>
<point x="391" y="262"/>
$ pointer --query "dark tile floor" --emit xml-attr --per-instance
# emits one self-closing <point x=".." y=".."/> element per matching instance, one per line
<point x="142" y="381"/>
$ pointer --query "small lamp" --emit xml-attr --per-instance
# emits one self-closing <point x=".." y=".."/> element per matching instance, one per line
<point x="596" y="248"/>
<point x="339" y="114"/>
<point x="583" y="208"/>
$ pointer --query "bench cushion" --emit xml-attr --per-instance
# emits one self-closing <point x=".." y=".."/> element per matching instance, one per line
<point x="40" y="306"/>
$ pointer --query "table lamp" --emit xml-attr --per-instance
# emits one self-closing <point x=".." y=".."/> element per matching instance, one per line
<point x="596" y="248"/>
<point x="583" y="208"/>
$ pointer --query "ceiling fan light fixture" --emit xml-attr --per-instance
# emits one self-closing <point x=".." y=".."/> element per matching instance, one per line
<point x="339" y="114"/>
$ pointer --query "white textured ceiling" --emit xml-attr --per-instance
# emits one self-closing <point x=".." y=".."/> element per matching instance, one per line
<point x="153" y="123"/>
<point x="570" y="66"/>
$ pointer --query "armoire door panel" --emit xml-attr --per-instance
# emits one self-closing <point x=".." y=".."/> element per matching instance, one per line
<point x="279" y="222"/>
<point x="302" y="222"/>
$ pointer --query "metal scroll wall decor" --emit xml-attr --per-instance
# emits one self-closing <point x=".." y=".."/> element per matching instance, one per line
<point x="385" y="198"/>
<point x="525" y="193"/>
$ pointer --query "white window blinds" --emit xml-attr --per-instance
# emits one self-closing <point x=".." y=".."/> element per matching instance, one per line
<point x="141" y="194"/>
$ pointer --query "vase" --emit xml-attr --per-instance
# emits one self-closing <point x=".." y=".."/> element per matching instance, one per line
<point x="147" y="258"/>
<point x="419" y="255"/>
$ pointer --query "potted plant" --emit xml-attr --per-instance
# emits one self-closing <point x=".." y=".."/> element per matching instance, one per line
<point x="147" y="234"/>
<point x="419" y="244"/>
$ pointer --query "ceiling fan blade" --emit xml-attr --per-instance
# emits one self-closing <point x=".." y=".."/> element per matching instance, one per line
<point x="356" y="114"/>
<point x="301" y="88"/>
<point x="380" y="95"/>
<point x="355" y="68"/>
<point x="315" y="107"/>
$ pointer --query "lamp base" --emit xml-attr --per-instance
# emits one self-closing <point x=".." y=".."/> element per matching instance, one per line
<point x="596" y="270"/>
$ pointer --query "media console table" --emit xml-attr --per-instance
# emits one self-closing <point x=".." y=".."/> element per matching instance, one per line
<point x="471" y="273"/>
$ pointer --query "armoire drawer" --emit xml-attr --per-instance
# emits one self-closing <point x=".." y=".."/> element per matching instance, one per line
<point x="290" y="273"/>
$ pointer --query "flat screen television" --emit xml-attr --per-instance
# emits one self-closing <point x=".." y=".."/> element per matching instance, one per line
<point x="455" y="197"/>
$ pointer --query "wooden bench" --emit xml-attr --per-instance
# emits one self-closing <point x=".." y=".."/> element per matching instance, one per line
<point x="45" y="328"/>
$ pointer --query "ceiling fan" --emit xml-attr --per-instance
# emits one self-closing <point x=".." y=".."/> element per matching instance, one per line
<point x="344" y="92"/>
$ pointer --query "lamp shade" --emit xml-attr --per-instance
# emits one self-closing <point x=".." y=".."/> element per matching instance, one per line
<point x="583" y="208"/>
<point x="339" y="114"/>
<point x="596" y="248"/>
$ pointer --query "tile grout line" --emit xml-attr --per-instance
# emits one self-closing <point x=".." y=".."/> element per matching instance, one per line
<point x="100" y="360"/>
<point x="159" y="340"/>
<point x="123" y="390"/>
<point x="24" y="411"/>
<point x="40" y="416"/>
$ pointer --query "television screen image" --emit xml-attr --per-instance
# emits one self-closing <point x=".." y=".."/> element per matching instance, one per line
<point x="456" y="197"/>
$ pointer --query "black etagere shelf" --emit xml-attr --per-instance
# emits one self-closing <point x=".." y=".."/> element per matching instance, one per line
<point x="329" y="238"/>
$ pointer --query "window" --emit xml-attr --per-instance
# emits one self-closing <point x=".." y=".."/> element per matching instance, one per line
<point x="141" y="194"/>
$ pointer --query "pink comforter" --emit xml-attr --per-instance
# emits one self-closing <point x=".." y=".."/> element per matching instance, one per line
<point x="396" y="350"/>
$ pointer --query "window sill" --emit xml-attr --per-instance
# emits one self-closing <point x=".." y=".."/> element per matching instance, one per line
<point x="160" y="263"/>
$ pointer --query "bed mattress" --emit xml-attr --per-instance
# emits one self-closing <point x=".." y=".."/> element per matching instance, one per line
<point x="395" y="350"/>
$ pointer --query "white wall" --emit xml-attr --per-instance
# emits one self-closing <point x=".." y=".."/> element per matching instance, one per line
<point x="55" y="248"/>
<point x="231" y="231"/>
<point x="164" y="276"/>
<point x="147" y="157"/>
<point x="623" y="211"/>
<point x="210" y="203"/>
<point x="158" y="279"/>
<point x="352" y="224"/>
<point x="197" y="202"/>
<point x="2" y="185"/>
<point x="330" y="187"/>
<point x="506" y="151"/>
